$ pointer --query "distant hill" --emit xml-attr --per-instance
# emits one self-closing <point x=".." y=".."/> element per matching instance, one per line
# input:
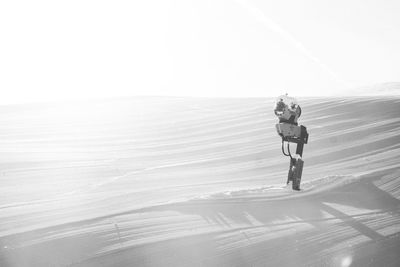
<point x="381" y="89"/>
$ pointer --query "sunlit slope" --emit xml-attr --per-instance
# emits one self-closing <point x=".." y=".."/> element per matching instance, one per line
<point x="89" y="179"/>
<point x="353" y="135"/>
<point x="153" y="150"/>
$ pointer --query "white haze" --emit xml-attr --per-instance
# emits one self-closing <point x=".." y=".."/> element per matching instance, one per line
<point x="83" y="49"/>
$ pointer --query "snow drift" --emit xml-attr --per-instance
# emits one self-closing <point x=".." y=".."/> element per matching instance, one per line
<point x="198" y="182"/>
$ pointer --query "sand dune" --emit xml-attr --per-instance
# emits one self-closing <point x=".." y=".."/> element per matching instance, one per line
<point x="198" y="182"/>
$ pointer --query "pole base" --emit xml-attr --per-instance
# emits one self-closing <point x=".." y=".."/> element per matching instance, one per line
<point x="296" y="173"/>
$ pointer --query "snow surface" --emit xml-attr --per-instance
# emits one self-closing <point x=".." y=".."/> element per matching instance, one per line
<point x="155" y="181"/>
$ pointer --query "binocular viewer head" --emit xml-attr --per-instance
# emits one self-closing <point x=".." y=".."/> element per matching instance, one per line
<point x="287" y="110"/>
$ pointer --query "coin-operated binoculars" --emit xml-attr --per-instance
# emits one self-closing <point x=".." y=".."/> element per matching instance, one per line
<point x="288" y="112"/>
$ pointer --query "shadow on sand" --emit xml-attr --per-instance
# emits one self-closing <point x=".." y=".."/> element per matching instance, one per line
<point x="353" y="224"/>
<point x="347" y="227"/>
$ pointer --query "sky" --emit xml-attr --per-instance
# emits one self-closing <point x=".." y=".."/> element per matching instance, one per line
<point x="52" y="50"/>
